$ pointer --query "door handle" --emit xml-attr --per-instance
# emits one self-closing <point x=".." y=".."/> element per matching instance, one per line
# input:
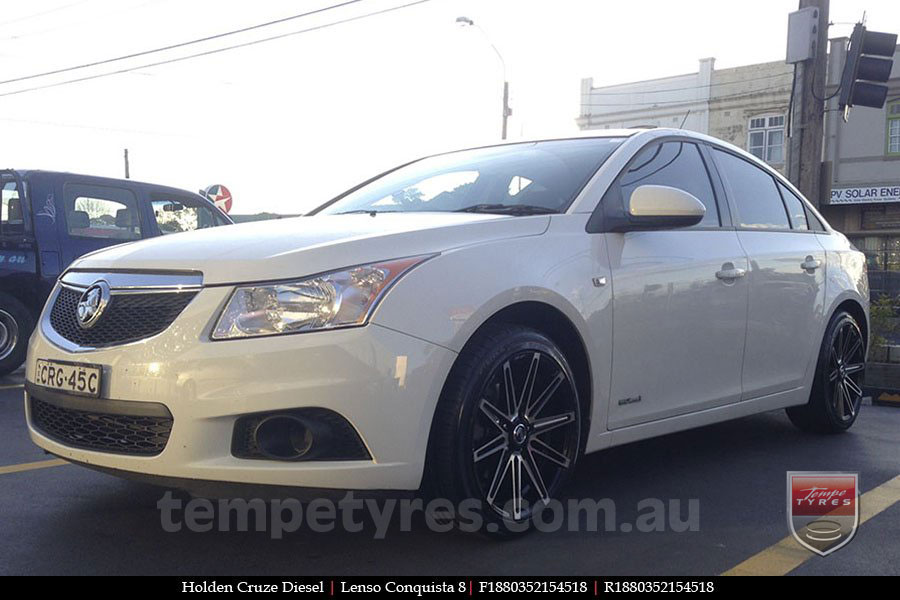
<point x="810" y="264"/>
<point x="729" y="272"/>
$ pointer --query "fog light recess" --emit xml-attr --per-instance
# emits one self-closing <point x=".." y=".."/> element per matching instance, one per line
<point x="303" y="434"/>
<point x="283" y="437"/>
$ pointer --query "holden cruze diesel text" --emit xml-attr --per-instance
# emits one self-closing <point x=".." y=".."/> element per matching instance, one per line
<point x="472" y="322"/>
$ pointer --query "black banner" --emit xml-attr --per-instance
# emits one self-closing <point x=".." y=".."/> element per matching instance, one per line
<point x="422" y="587"/>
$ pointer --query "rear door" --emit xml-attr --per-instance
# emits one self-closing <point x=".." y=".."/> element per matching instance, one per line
<point x="787" y="276"/>
<point x="97" y="216"/>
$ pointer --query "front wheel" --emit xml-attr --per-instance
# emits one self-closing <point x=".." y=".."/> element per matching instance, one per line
<point x="508" y="428"/>
<point x="837" y="393"/>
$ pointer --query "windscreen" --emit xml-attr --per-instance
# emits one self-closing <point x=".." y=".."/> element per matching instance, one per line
<point x="544" y="176"/>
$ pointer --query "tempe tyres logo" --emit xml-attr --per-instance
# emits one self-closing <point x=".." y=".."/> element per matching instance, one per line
<point x="823" y="509"/>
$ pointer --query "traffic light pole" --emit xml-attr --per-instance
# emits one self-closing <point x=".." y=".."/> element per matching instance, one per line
<point x="808" y="113"/>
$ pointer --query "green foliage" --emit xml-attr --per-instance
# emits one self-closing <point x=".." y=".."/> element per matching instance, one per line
<point x="881" y="316"/>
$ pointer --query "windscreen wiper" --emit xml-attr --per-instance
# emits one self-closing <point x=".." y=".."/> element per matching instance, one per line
<point x="509" y="209"/>
<point x="362" y="211"/>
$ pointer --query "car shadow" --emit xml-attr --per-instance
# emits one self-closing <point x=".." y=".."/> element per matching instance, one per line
<point x="90" y="523"/>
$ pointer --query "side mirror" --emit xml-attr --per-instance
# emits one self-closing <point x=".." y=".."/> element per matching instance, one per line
<point x="662" y="207"/>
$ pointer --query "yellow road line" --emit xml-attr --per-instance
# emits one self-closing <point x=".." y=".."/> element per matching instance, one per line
<point x="41" y="464"/>
<point x="788" y="554"/>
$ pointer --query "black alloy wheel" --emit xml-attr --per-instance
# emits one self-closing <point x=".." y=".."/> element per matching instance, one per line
<point x="837" y="389"/>
<point x="508" y="429"/>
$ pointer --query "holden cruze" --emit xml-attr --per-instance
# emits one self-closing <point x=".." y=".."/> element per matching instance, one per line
<point x="470" y="322"/>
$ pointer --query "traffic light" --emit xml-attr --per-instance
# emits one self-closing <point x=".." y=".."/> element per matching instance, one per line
<point x="870" y="59"/>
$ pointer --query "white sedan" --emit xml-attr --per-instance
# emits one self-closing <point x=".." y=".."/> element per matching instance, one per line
<point x="471" y="322"/>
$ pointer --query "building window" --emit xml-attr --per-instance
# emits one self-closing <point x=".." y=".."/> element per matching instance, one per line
<point x="766" y="138"/>
<point x="893" y="128"/>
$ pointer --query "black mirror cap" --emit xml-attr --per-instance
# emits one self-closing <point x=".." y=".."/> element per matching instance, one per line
<point x="629" y="223"/>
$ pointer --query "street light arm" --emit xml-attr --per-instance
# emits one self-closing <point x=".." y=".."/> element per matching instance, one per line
<point x="494" y="48"/>
<point x="467" y="22"/>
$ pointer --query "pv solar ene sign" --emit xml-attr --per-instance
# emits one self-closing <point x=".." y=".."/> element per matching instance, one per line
<point x="866" y="195"/>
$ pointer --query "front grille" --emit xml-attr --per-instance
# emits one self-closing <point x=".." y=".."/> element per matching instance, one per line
<point x="127" y="317"/>
<point x="119" y="434"/>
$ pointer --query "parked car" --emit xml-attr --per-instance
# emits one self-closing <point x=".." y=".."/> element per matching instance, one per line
<point x="49" y="219"/>
<point x="470" y="323"/>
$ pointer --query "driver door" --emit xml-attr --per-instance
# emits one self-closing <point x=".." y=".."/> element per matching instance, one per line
<point x="678" y="325"/>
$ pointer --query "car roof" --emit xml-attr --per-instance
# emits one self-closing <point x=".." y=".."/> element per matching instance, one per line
<point x="632" y="132"/>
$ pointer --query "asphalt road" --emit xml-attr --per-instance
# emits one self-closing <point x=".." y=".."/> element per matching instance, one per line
<point x="70" y="520"/>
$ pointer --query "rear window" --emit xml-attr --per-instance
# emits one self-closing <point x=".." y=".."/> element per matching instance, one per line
<point x="102" y="212"/>
<point x="174" y="214"/>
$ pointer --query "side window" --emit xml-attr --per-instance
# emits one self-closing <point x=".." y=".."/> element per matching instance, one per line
<point x="102" y="212"/>
<point x="814" y="223"/>
<point x="757" y="200"/>
<point x="12" y="216"/>
<point x="795" y="207"/>
<point x="675" y="164"/>
<point x="175" y="215"/>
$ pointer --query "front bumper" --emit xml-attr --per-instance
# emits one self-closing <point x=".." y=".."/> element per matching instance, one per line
<point x="385" y="383"/>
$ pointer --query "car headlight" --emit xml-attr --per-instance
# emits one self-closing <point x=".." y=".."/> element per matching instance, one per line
<point x="342" y="298"/>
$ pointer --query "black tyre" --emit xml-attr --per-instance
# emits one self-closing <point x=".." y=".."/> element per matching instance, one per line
<point x="837" y="393"/>
<point x="507" y="430"/>
<point x="16" y="325"/>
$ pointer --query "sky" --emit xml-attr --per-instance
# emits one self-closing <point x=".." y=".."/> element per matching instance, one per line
<point x="289" y="123"/>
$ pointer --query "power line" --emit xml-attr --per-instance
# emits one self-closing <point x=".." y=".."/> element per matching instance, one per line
<point x="693" y="87"/>
<point x="688" y="101"/>
<point x="68" y="24"/>
<point x="216" y="50"/>
<point x="98" y="128"/>
<point x="43" y="12"/>
<point x="208" y="38"/>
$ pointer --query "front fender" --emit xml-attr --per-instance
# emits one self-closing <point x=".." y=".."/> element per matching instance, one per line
<point x="446" y="299"/>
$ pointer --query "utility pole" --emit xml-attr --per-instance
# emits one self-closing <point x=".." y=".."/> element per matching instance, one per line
<point x="127" y="170"/>
<point x="506" y="109"/>
<point x="808" y="112"/>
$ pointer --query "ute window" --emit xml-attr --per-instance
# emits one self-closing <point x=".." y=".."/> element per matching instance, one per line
<point x="12" y="215"/>
<point x="174" y="215"/>
<point x="102" y="212"/>
<point x="540" y="176"/>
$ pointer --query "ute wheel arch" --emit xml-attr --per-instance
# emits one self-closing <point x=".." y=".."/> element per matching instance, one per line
<point x="16" y="324"/>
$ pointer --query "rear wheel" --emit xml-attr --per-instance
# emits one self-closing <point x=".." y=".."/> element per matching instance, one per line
<point x="837" y="388"/>
<point x="508" y="428"/>
<point x="16" y="324"/>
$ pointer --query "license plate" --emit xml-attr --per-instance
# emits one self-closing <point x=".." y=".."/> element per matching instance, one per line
<point x="69" y="377"/>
